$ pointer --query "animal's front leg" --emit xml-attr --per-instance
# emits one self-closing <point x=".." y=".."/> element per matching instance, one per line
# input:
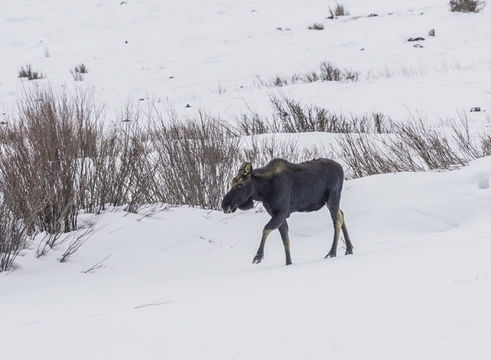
<point x="260" y="252"/>
<point x="273" y="224"/>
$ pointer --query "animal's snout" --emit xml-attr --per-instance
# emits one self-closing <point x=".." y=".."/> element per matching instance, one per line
<point x="228" y="207"/>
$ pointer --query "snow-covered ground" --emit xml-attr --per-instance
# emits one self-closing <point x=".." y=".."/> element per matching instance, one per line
<point x="179" y="283"/>
<point x="210" y="54"/>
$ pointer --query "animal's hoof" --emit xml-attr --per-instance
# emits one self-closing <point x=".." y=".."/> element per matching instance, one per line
<point x="257" y="259"/>
<point x="330" y="255"/>
<point x="349" y="252"/>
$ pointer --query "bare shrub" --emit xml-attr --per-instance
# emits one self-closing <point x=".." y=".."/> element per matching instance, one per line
<point x="27" y="72"/>
<point x="293" y="117"/>
<point x="82" y="69"/>
<point x="329" y="72"/>
<point x="316" y="26"/>
<point x="432" y="147"/>
<point x="254" y="124"/>
<point x="38" y="164"/>
<point x="12" y="238"/>
<point x="193" y="161"/>
<point x="338" y="11"/>
<point x="467" y="6"/>
<point x="326" y="72"/>
<point x="412" y="147"/>
<point x="486" y="145"/>
<point x="77" y="76"/>
<point x="97" y="266"/>
<point x="279" y="81"/>
<point x="461" y="135"/>
<point x="76" y="239"/>
<point x="364" y="155"/>
<point x="78" y="72"/>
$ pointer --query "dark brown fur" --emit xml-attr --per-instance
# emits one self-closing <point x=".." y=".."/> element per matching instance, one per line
<point x="284" y="188"/>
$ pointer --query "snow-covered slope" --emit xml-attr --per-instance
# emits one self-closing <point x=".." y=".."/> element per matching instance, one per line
<point x="210" y="53"/>
<point x="179" y="284"/>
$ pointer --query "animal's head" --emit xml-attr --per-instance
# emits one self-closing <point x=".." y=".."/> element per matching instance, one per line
<point x="240" y="195"/>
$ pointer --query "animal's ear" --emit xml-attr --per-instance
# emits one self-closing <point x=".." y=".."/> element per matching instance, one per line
<point x="246" y="169"/>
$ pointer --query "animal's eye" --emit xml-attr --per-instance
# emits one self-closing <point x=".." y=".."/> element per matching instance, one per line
<point x="239" y="186"/>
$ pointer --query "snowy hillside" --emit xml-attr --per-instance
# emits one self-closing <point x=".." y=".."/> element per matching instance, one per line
<point x="210" y="54"/>
<point x="177" y="282"/>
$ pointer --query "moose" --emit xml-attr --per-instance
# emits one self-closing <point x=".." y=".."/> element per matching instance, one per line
<point x="284" y="188"/>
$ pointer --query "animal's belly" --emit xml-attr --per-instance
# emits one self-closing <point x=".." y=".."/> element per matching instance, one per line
<point x="308" y="207"/>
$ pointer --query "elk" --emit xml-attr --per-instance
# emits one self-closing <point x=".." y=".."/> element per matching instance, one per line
<point x="284" y="188"/>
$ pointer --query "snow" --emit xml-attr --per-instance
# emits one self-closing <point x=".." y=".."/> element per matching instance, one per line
<point x="211" y="54"/>
<point x="178" y="283"/>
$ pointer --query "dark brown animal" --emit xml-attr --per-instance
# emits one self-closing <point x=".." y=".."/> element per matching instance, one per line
<point x="284" y="188"/>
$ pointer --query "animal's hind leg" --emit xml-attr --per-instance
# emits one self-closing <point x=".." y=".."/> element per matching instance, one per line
<point x="283" y="229"/>
<point x="337" y="221"/>
<point x="349" y="245"/>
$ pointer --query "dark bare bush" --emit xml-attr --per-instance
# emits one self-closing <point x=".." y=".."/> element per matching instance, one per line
<point x="462" y="137"/>
<point x="254" y="124"/>
<point x="432" y="147"/>
<point x="12" y="238"/>
<point x="290" y="116"/>
<point x="193" y="161"/>
<point x="329" y="72"/>
<point x="38" y="164"/>
<point x="365" y="155"/>
<point x="326" y="72"/>
<point x="338" y="11"/>
<point x="82" y="69"/>
<point x="486" y="145"/>
<point x="467" y="6"/>
<point x="75" y="241"/>
<point x="293" y="117"/>
<point x="412" y="147"/>
<point x="316" y="26"/>
<point x="279" y="81"/>
<point x="78" y="72"/>
<point x="27" y="72"/>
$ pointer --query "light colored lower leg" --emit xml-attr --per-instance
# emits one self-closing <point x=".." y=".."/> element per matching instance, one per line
<point x="340" y="220"/>
<point x="266" y="233"/>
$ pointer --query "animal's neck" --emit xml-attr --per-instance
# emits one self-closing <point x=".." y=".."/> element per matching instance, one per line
<point x="259" y="188"/>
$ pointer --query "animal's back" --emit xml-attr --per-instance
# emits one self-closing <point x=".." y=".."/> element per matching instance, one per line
<point x="310" y="182"/>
